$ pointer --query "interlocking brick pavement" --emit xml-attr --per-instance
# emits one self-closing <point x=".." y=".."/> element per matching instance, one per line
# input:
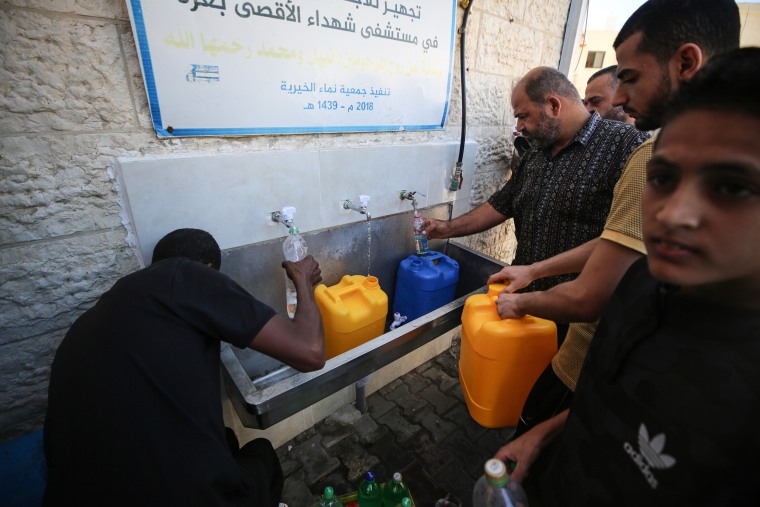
<point x="417" y="425"/>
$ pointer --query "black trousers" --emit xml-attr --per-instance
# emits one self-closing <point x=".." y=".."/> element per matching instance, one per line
<point x="548" y="397"/>
<point x="260" y="465"/>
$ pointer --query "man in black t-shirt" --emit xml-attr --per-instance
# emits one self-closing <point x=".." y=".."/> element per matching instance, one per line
<point x="134" y="408"/>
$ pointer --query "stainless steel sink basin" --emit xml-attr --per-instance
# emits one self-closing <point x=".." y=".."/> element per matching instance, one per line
<point x="263" y="390"/>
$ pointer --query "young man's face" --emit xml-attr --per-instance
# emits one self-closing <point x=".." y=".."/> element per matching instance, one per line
<point x="701" y="205"/>
<point x="645" y="86"/>
<point x="598" y="97"/>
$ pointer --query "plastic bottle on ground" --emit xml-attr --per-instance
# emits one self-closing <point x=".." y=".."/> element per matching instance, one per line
<point x="329" y="499"/>
<point x="394" y="491"/>
<point x="294" y="248"/>
<point x="494" y="489"/>
<point x="369" y="494"/>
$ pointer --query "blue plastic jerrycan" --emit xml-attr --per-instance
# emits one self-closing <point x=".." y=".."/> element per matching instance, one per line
<point x="424" y="283"/>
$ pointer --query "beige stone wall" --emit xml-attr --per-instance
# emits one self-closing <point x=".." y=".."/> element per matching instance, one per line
<point x="73" y="100"/>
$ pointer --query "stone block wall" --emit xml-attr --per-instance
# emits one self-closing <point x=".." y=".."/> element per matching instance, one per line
<point x="73" y="101"/>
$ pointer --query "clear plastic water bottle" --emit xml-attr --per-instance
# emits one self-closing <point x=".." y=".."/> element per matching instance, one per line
<point x="294" y="248"/>
<point x="394" y="491"/>
<point x="420" y="238"/>
<point x="329" y="499"/>
<point x="369" y="494"/>
<point x="494" y="489"/>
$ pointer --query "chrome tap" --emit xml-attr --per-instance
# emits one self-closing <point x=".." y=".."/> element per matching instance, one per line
<point x="285" y="216"/>
<point x="405" y="195"/>
<point x="362" y="208"/>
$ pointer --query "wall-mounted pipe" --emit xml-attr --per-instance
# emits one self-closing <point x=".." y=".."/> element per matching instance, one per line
<point x="455" y="183"/>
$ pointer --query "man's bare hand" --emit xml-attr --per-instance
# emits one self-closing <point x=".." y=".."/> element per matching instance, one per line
<point x="307" y="268"/>
<point x="517" y="277"/>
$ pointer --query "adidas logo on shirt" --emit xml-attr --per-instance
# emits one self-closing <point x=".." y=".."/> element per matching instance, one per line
<point x="650" y="455"/>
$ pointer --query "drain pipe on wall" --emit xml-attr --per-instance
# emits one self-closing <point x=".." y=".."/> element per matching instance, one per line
<point x="455" y="183"/>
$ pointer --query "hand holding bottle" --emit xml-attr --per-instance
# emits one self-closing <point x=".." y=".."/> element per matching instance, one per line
<point x="495" y="488"/>
<point x="306" y="268"/>
<point x="436" y="229"/>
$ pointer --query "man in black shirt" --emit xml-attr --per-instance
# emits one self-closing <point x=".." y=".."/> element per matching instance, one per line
<point x="134" y="407"/>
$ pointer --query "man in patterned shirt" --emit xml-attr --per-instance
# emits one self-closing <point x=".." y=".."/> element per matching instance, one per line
<point x="663" y="44"/>
<point x="560" y="192"/>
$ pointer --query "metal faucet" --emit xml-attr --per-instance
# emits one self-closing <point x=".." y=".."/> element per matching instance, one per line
<point x="284" y="217"/>
<point x="410" y="197"/>
<point x="362" y="208"/>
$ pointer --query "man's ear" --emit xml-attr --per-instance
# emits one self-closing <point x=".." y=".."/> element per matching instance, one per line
<point x="687" y="60"/>
<point x="555" y="105"/>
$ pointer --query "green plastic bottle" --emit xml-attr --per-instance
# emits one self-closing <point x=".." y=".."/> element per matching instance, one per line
<point x="394" y="491"/>
<point x="329" y="499"/>
<point x="369" y="492"/>
<point x="405" y="502"/>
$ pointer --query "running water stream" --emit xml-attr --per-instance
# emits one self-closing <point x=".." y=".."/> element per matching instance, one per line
<point x="369" y="247"/>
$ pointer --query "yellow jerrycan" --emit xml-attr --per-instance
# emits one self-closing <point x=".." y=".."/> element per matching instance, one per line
<point x="501" y="359"/>
<point x="353" y="312"/>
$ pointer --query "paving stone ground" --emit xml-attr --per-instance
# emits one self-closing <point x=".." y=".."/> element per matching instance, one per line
<point x="417" y="425"/>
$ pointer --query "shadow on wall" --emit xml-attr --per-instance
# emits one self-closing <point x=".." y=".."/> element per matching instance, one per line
<point x="23" y="472"/>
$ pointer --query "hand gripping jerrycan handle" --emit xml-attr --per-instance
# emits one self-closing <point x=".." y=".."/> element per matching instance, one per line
<point x="494" y="289"/>
<point x="500" y="359"/>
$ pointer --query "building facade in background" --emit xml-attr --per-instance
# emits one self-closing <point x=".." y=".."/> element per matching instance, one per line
<point x="594" y="50"/>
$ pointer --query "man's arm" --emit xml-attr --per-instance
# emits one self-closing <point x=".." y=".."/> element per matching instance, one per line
<point x="477" y="220"/>
<point x="300" y="342"/>
<point x="525" y="449"/>
<point x="580" y="300"/>
<point x="571" y="261"/>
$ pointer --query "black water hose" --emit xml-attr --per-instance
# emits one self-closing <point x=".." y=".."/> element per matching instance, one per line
<point x="456" y="178"/>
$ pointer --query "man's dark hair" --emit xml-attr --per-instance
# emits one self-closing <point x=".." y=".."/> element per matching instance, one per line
<point x="722" y="85"/>
<point x="611" y="70"/>
<point x="193" y="244"/>
<point x="550" y="81"/>
<point x="666" y="25"/>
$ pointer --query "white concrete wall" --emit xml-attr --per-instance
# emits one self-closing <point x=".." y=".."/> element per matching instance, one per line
<point x="167" y="193"/>
<point x="73" y="104"/>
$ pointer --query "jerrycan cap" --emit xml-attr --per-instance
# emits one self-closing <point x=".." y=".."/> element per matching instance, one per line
<point x="494" y="289"/>
<point x="371" y="282"/>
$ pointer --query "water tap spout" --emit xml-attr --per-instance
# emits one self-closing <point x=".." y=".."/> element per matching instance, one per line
<point x="398" y="319"/>
<point x="361" y="208"/>
<point x="406" y="195"/>
<point x="285" y="216"/>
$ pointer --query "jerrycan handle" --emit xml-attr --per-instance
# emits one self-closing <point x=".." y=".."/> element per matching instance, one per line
<point x="371" y="283"/>
<point x="494" y="289"/>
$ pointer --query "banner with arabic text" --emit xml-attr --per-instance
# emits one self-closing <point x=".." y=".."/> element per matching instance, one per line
<point x="226" y="68"/>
